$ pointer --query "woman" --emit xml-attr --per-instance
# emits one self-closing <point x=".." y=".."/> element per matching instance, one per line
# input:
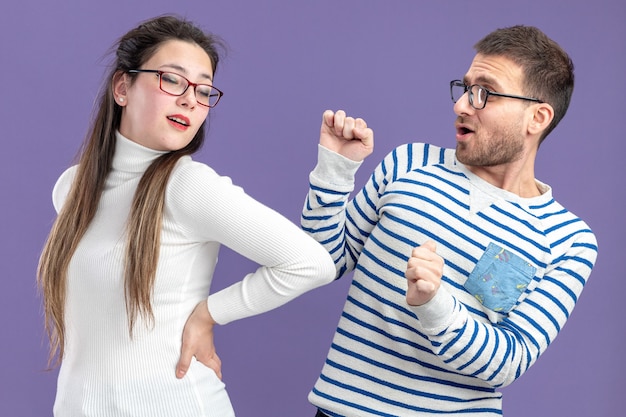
<point x="132" y="252"/>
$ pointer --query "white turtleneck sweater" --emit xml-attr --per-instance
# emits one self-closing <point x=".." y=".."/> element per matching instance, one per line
<point x="105" y="372"/>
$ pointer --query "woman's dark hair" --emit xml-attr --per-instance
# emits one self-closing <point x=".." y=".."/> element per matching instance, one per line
<point x="96" y="155"/>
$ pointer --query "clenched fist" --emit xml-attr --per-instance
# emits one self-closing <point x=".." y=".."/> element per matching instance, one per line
<point x="346" y="136"/>
<point x="423" y="273"/>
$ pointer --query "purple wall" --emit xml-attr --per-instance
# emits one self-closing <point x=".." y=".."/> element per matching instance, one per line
<point x="389" y="62"/>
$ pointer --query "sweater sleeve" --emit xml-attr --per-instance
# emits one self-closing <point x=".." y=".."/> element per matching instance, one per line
<point x="499" y="353"/>
<point x="210" y="208"/>
<point x="324" y="213"/>
<point x="342" y="225"/>
<point x="62" y="187"/>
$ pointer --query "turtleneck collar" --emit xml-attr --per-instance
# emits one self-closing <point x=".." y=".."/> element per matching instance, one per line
<point x="132" y="157"/>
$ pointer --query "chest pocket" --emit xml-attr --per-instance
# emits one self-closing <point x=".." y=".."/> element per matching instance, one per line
<point x="499" y="278"/>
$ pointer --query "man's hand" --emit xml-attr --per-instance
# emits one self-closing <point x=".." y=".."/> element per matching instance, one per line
<point x="198" y="342"/>
<point x="347" y="136"/>
<point x="424" y="271"/>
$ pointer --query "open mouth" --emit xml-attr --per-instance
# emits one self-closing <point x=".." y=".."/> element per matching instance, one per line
<point x="178" y="120"/>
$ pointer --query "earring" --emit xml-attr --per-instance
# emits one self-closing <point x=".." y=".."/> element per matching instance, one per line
<point x="121" y="99"/>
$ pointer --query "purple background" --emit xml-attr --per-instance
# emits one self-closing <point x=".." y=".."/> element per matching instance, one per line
<point x="387" y="61"/>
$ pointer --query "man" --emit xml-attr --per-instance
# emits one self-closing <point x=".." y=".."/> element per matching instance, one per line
<point x="465" y="267"/>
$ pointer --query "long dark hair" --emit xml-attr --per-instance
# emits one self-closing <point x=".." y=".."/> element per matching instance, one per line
<point x="96" y="155"/>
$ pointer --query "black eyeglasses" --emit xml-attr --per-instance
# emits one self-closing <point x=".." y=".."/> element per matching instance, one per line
<point x="176" y="85"/>
<point x="478" y="95"/>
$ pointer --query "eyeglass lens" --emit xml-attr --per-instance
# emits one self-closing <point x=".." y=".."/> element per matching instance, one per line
<point x="477" y="94"/>
<point x="177" y="85"/>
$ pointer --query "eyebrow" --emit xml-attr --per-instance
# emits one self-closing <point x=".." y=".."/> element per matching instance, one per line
<point x="483" y="79"/>
<point x="184" y="71"/>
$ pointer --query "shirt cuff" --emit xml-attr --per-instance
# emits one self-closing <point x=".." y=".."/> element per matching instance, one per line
<point x="333" y="168"/>
<point x="436" y="315"/>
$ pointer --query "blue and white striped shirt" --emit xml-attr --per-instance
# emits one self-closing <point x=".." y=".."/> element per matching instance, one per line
<point x="514" y="269"/>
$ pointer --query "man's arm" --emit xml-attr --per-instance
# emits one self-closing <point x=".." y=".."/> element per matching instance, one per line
<point x="498" y="352"/>
<point x="344" y="143"/>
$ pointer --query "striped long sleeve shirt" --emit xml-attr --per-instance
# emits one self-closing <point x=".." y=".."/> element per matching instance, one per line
<point x="514" y="269"/>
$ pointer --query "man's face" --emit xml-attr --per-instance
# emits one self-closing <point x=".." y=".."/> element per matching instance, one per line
<point x="496" y="134"/>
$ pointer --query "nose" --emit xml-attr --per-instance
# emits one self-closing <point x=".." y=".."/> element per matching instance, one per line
<point x="188" y="98"/>
<point x="463" y="106"/>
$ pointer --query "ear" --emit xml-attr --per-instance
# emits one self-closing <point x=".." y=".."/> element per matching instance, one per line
<point x="120" y="88"/>
<point x="541" y="117"/>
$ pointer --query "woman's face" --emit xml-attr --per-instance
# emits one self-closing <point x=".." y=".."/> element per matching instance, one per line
<point x="158" y="120"/>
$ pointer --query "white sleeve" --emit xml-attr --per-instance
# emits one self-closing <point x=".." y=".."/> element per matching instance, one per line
<point x="62" y="187"/>
<point x="210" y="208"/>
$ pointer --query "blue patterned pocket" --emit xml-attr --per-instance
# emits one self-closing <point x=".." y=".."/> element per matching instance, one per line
<point x="499" y="278"/>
